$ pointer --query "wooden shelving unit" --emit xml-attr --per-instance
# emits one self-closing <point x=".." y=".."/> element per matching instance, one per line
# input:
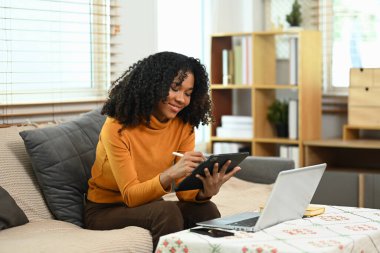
<point x="264" y="87"/>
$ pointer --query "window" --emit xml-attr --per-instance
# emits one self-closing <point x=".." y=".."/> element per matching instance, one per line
<point x="351" y="39"/>
<point x="53" y="50"/>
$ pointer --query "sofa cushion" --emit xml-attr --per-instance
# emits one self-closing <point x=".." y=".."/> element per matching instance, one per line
<point x="11" y="214"/>
<point x="16" y="174"/>
<point x="237" y="195"/>
<point x="62" y="157"/>
<point x="57" y="236"/>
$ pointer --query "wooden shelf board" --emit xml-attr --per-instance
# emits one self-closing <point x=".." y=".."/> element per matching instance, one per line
<point x="231" y="34"/>
<point x="366" y="144"/>
<point x="280" y="32"/>
<point x="276" y="140"/>
<point x="362" y="127"/>
<point x="230" y="86"/>
<point x="220" y="139"/>
<point x="275" y="86"/>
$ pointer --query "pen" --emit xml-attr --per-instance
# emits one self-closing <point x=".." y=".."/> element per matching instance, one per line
<point x="177" y="154"/>
<point x="180" y="155"/>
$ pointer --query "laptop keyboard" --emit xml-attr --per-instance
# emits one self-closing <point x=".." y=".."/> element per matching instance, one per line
<point x="245" y="223"/>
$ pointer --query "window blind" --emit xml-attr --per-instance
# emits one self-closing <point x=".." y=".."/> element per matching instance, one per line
<point x="117" y="47"/>
<point x="54" y="50"/>
<point x="57" y="57"/>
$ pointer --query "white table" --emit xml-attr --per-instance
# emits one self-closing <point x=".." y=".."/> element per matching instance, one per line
<point x="339" y="229"/>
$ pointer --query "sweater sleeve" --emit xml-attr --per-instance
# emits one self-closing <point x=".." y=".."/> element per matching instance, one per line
<point x="134" y="192"/>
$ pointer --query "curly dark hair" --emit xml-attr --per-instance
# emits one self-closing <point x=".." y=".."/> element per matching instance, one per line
<point x="134" y="95"/>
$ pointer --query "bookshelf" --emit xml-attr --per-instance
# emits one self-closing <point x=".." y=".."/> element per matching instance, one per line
<point x="262" y="87"/>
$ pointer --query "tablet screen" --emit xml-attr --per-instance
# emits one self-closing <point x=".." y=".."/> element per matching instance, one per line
<point x="191" y="182"/>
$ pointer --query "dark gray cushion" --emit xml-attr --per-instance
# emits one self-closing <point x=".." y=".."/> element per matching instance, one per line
<point x="263" y="170"/>
<point x="11" y="214"/>
<point x="62" y="157"/>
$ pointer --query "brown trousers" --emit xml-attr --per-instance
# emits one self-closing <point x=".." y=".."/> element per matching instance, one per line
<point x="159" y="217"/>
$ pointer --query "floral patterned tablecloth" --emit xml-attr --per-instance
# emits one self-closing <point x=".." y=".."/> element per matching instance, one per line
<point x="339" y="229"/>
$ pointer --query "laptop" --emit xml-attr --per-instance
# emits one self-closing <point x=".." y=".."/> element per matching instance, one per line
<point x="291" y="194"/>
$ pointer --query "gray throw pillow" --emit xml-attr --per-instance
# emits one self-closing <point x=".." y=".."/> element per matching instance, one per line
<point x="62" y="157"/>
<point x="11" y="214"/>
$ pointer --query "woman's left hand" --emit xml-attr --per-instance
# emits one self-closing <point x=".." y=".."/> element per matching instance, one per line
<point x="213" y="182"/>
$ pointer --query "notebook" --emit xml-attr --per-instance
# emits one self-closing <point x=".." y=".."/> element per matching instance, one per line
<point x="291" y="194"/>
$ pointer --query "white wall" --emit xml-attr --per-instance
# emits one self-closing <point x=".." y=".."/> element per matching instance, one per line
<point x="138" y="33"/>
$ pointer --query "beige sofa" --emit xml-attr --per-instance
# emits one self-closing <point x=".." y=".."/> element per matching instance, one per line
<point x="44" y="233"/>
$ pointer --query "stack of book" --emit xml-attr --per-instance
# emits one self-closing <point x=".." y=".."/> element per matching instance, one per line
<point x="229" y="147"/>
<point x="235" y="127"/>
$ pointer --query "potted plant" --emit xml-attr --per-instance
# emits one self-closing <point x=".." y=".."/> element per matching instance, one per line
<point x="294" y="18"/>
<point x="278" y="116"/>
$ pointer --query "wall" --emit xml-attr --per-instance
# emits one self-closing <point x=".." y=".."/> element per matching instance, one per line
<point x="138" y="29"/>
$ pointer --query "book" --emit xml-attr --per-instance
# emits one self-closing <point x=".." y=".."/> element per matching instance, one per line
<point x="227" y="147"/>
<point x="227" y="66"/>
<point x="244" y="67"/>
<point x="293" y="61"/>
<point x="294" y="155"/>
<point x="236" y="119"/>
<point x="284" y="151"/>
<point x="231" y="66"/>
<point x="224" y="132"/>
<point x="290" y="152"/>
<point x="311" y="210"/>
<point x="293" y="119"/>
<point x="249" y="60"/>
<point x="237" y="49"/>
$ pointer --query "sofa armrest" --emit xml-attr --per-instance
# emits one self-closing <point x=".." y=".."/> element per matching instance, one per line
<point x="263" y="170"/>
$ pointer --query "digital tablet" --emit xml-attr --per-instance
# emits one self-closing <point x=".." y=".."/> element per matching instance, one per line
<point x="191" y="182"/>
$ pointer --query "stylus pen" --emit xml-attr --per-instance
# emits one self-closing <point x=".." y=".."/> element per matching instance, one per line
<point x="177" y="154"/>
<point x="180" y="155"/>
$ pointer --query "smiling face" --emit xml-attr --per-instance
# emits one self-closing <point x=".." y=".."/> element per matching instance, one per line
<point x="178" y="98"/>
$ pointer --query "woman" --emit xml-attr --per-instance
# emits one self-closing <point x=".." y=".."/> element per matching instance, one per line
<point x="152" y="110"/>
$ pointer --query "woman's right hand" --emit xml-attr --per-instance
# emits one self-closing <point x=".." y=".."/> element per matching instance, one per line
<point x="188" y="162"/>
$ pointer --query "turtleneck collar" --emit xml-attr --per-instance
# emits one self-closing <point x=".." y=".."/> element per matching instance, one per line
<point x="156" y="124"/>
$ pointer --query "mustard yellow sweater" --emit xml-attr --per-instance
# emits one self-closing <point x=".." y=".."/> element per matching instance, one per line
<point x="128" y="165"/>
